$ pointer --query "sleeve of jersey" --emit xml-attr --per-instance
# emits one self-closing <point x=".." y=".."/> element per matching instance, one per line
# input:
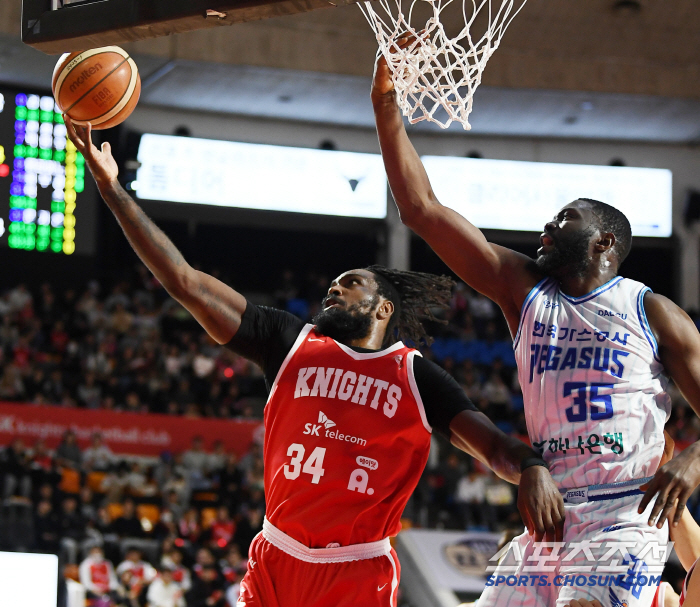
<point x="443" y="398"/>
<point x="265" y="336"/>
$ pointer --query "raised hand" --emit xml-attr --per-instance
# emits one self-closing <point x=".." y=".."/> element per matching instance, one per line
<point x="584" y="603"/>
<point x="382" y="84"/>
<point x="541" y="505"/>
<point x="100" y="162"/>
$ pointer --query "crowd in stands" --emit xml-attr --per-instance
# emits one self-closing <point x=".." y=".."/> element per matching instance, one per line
<point x="175" y="531"/>
<point x="164" y="533"/>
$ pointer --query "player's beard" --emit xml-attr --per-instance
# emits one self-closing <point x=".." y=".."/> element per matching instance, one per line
<point x="568" y="257"/>
<point x="346" y="324"/>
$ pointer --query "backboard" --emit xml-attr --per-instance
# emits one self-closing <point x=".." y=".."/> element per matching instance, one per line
<point x="60" y="26"/>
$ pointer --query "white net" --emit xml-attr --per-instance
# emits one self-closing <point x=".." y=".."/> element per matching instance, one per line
<point x="437" y="75"/>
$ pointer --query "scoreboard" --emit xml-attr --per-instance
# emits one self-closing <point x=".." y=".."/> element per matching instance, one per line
<point x="42" y="179"/>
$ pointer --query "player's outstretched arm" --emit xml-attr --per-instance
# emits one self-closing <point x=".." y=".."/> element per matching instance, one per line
<point x="679" y="351"/>
<point x="216" y="306"/>
<point x="499" y="273"/>
<point x="539" y="500"/>
<point x="686" y="540"/>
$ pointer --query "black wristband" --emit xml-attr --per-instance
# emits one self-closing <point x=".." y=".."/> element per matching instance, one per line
<point x="528" y="462"/>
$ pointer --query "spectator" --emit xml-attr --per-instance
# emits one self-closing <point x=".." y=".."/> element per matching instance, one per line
<point x="19" y="298"/>
<point x="89" y="392"/>
<point x="195" y="461"/>
<point x="142" y="572"/>
<point x="41" y="462"/>
<point x="11" y="385"/>
<point x="188" y="527"/>
<point x="86" y="507"/>
<point x="196" y="458"/>
<point x="173" y="504"/>
<point x="127" y="592"/>
<point x="71" y="528"/>
<point x="500" y="500"/>
<point x="207" y="589"/>
<point x="233" y="569"/>
<point x="98" y="456"/>
<point x="121" y="320"/>
<point x="181" y="574"/>
<point x="230" y="480"/>
<point x="174" y="362"/>
<point x="481" y="307"/>
<point x="68" y="452"/>
<point x="16" y="470"/>
<point x="498" y="395"/>
<point x="470" y="498"/>
<point x="471" y="385"/>
<point x="203" y="559"/>
<point x="115" y="483"/>
<point x="222" y="529"/>
<point x="46" y="529"/>
<point x="97" y="574"/>
<point x="249" y="526"/>
<point x="217" y="459"/>
<point x="128" y="525"/>
<point x="164" y="591"/>
<point x="53" y="388"/>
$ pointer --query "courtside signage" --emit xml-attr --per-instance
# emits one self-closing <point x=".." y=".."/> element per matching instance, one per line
<point x="29" y="580"/>
<point x="266" y="177"/>
<point x="516" y="195"/>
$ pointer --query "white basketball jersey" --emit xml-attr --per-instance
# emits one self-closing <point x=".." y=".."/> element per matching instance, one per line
<point x="594" y="387"/>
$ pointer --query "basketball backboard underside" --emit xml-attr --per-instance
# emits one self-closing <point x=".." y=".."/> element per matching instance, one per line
<point x="54" y="29"/>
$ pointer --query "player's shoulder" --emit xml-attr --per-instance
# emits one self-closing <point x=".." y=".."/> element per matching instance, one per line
<point x="669" y="322"/>
<point x="428" y="371"/>
<point x="660" y="310"/>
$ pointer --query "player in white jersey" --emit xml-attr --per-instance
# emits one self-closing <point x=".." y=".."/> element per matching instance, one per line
<point x="686" y="538"/>
<point x="594" y="351"/>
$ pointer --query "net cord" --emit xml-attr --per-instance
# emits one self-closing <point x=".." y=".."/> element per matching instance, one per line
<point x="436" y="76"/>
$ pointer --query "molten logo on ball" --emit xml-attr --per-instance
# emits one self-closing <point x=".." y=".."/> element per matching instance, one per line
<point x="84" y="75"/>
<point x="100" y="86"/>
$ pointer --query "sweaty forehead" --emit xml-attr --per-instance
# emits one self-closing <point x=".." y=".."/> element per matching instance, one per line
<point x="363" y="273"/>
<point x="582" y="206"/>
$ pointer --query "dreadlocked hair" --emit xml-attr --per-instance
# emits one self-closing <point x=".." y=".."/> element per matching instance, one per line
<point x="414" y="295"/>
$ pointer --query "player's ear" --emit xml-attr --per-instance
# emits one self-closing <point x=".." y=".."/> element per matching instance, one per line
<point x="605" y="242"/>
<point x="385" y="310"/>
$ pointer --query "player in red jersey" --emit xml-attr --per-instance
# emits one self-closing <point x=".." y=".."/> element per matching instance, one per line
<point x="347" y="422"/>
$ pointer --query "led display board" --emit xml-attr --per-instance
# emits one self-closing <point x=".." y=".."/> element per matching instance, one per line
<point x="42" y="179"/>
<point x="515" y="195"/>
<point x="265" y="177"/>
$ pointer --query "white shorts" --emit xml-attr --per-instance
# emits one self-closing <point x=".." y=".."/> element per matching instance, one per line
<point x="609" y="554"/>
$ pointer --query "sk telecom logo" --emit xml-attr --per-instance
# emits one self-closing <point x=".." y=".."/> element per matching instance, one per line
<point x="322" y="419"/>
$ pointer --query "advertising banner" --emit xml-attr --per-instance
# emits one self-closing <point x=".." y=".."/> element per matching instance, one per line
<point x="130" y="433"/>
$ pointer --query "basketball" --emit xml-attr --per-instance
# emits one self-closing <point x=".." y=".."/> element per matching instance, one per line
<point x="100" y="86"/>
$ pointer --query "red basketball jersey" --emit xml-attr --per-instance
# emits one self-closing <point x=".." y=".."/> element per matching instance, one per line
<point x="346" y="440"/>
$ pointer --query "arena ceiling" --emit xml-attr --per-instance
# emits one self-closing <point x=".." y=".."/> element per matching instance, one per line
<point x="606" y="69"/>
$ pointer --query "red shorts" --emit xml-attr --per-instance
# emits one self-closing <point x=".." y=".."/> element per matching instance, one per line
<point x="275" y="578"/>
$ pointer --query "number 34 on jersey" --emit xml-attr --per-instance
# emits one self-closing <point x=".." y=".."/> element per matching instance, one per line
<point x="313" y="466"/>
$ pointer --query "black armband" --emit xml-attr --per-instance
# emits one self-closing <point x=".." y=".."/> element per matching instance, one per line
<point x="528" y="462"/>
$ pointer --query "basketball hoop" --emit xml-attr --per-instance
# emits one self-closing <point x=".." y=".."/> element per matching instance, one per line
<point x="436" y="76"/>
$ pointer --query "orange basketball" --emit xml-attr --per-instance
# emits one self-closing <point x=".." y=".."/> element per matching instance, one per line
<point x="100" y="86"/>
